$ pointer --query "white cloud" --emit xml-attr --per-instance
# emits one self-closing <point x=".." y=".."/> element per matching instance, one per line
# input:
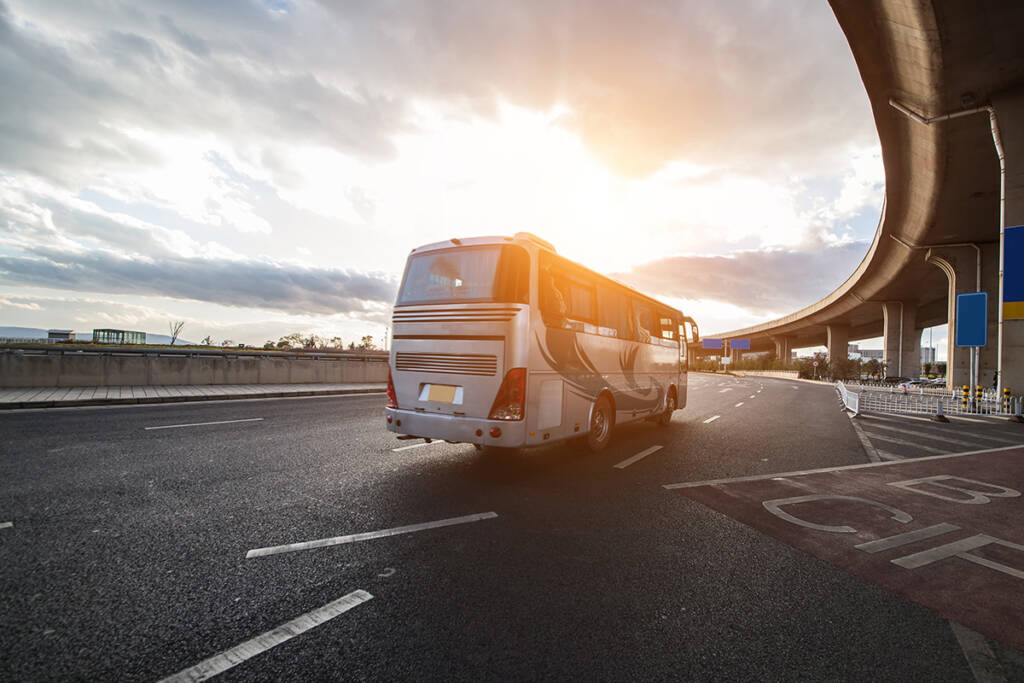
<point x="10" y="302"/>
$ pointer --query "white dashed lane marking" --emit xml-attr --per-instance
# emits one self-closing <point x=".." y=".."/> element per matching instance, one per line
<point x="738" y="404"/>
<point x="725" y="390"/>
<point x="219" y="663"/>
<point x="712" y="419"/>
<point x="639" y="456"/>
<point x="368" y="535"/>
<point x="203" y="424"/>
<point x="6" y="525"/>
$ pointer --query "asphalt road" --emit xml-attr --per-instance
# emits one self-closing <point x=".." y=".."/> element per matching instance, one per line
<point x="126" y="554"/>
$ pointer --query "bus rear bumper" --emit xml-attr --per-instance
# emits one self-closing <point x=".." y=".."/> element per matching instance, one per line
<point x="453" y="428"/>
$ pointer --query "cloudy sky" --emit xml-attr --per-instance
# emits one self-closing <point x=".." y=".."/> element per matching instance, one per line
<point x="262" y="167"/>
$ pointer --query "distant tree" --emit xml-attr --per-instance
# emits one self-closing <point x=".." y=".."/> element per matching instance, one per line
<point x="270" y="345"/>
<point x="366" y="343"/>
<point x="351" y="346"/>
<point x="175" y="326"/>
<point x="336" y="343"/>
<point x="227" y="342"/>
<point x="927" y="368"/>
<point x="295" y="339"/>
<point x="207" y="341"/>
<point x="807" y="369"/>
<point x="872" y="367"/>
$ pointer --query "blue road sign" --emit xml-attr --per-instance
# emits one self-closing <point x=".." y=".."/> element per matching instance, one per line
<point x="1013" y="273"/>
<point x="741" y="344"/>
<point x="711" y="343"/>
<point x="972" y="319"/>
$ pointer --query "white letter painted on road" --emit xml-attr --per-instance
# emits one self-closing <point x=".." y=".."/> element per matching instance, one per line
<point x="961" y="549"/>
<point x="976" y="497"/>
<point x="775" y="507"/>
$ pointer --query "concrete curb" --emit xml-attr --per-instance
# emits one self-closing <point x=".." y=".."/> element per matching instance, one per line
<point x="183" y="399"/>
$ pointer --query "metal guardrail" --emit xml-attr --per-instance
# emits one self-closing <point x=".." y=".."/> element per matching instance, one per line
<point x="922" y="402"/>
<point x="850" y="399"/>
<point x="66" y="349"/>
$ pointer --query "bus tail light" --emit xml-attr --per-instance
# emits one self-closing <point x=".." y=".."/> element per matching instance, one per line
<point x="511" y="398"/>
<point x="392" y="398"/>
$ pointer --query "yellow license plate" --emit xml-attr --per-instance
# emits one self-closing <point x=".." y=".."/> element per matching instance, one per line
<point x="442" y="393"/>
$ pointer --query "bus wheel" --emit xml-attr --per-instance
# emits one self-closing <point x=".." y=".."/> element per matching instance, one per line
<point x="601" y="420"/>
<point x="670" y="406"/>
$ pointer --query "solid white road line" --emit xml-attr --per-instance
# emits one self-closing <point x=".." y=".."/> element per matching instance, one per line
<point x="934" y="436"/>
<point x="415" y="445"/>
<point x="738" y="404"/>
<point x="219" y="663"/>
<point x="841" y="468"/>
<point x="639" y="456"/>
<point x="201" y="424"/>
<point x="905" y="442"/>
<point x="6" y="525"/>
<point x="712" y="419"/>
<point x="980" y="657"/>
<point x="865" y="442"/>
<point x="368" y="535"/>
<point x="886" y="455"/>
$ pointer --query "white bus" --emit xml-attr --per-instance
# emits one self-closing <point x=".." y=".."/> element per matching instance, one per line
<point x="500" y="342"/>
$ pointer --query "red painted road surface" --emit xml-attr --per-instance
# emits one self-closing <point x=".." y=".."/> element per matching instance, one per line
<point x="946" y="532"/>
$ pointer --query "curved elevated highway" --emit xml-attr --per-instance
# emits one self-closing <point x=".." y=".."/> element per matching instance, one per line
<point x="937" y="73"/>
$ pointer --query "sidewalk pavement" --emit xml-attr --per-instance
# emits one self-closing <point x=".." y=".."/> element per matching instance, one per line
<point x="58" y="397"/>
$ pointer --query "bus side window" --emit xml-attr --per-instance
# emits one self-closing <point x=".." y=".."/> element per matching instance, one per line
<point x="581" y="301"/>
<point x="668" y="326"/>
<point x="644" y="321"/>
<point x="554" y="306"/>
<point x="613" y="313"/>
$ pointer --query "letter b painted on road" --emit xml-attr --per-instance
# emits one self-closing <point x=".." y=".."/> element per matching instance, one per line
<point x="974" y="495"/>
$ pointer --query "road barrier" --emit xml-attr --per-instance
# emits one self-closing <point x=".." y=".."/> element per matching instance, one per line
<point x="851" y="400"/>
<point x="88" y="366"/>
<point x="889" y="400"/>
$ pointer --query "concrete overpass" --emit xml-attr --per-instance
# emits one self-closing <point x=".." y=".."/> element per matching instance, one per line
<point x="945" y="79"/>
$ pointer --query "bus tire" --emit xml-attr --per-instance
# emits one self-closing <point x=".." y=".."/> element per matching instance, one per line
<point x="670" y="407"/>
<point x="602" y="419"/>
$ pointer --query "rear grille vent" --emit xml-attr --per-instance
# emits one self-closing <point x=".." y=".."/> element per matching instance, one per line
<point x="459" y="315"/>
<point x="447" y="363"/>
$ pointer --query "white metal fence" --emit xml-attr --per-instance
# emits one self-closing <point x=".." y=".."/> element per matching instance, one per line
<point x="882" y="399"/>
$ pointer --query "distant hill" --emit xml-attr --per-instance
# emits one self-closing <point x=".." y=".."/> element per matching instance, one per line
<point x="36" y="333"/>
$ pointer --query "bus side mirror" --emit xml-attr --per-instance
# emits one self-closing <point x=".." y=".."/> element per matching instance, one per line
<point x="693" y="327"/>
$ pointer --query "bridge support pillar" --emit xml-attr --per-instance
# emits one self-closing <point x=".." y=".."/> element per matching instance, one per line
<point x="783" y="349"/>
<point x="960" y="264"/>
<point x="1010" y="111"/>
<point x="838" y="342"/>
<point x="901" y="338"/>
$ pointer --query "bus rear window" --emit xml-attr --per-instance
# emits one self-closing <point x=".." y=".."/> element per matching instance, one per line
<point x="487" y="273"/>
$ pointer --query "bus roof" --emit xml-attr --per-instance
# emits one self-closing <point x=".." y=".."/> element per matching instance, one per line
<point x="526" y="238"/>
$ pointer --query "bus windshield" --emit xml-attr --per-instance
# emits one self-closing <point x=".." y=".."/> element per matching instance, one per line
<point x="485" y="273"/>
